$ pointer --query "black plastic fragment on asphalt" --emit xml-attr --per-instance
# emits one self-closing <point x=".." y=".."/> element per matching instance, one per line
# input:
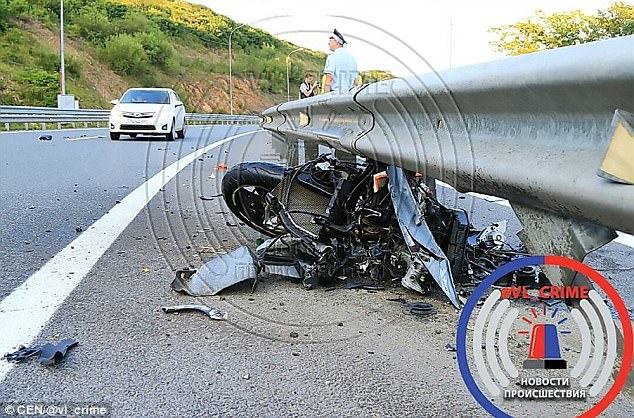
<point x="212" y="197"/>
<point x="54" y="353"/>
<point x="421" y="308"/>
<point x="363" y="286"/>
<point x="22" y="354"/>
<point x="450" y="347"/>
<point x="211" y="312"/>
<point x="49" y="353"/>
<point x="46" y="138"/>
<point x="416" y="308"/>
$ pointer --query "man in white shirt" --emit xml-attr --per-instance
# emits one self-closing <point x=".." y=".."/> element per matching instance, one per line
<point x="341" y="68"/>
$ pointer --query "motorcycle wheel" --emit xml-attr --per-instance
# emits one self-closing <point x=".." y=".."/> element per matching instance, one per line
<point x="244" y="188"/>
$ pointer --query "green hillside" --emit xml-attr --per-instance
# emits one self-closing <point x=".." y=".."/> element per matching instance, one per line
<point x="115" y="44"/>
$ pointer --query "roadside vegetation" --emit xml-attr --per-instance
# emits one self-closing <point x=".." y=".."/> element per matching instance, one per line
<point x="542" y="31"/>
<point x="114" y="44"/>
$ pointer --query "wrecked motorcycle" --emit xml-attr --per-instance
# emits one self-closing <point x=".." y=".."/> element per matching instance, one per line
<point x="348" y="220"/>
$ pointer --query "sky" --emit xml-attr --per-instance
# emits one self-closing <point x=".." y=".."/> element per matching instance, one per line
<point x="404" y="37"/>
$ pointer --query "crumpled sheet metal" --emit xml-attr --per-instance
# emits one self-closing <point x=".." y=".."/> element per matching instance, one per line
<point x="218" y="274"/>
<point x="414" y="227"/>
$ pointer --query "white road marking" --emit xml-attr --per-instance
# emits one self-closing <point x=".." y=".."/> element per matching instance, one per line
<point x="622" y="237"/>
<point x="29" y="307"/>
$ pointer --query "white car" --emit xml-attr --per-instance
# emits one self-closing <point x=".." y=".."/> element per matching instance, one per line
<point x="148" y="112"/>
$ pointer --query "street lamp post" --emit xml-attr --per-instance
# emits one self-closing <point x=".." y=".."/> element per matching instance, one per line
<point x="62" y="72"/>
<point x="230" y="74"/>
<point x="288" y="68"/>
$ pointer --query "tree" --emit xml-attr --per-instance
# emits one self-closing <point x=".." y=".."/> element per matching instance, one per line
<point x="372" y="76"/>
<point x="542" y="32"/>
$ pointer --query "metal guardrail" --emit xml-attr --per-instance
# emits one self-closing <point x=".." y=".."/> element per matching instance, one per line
<point x="221" y="118"/>
<point x="533" y="129"/>
<point x="44" y="115"/>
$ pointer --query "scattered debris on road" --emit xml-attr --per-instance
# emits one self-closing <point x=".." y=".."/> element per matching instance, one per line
<point x="212" y="313"/>
<point x="46" y="138"/>
<point x="54" y="353"/>
<point x="450" y="347"/>
<point x="48" y="353"/>
<point x="82" y="137"/>
<point x="415" y="308"/>
<point x="421" y="308"/>
<point x="212" y="197"/>
<point x="218" y="274"/>
<point x="361" y="286"/>
<point x="22" y="354"/>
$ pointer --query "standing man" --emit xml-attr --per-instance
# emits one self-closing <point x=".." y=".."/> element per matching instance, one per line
<point x="341" y="68"/>
<point x="307" y="88"/>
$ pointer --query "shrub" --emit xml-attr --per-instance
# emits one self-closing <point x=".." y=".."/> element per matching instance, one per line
<point x="134" y="22"/>
<point x="40" y="88"/>
<point x="44" y="58"/>
<point x="125" y="54"/>
<point x="72" y="66"/>
<point x="11" y="9"/>
<point x="156" y="46"/>
<point x="94" y="25"/>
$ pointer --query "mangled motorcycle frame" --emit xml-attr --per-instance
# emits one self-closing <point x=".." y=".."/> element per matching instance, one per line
<point x="335" y="219"/>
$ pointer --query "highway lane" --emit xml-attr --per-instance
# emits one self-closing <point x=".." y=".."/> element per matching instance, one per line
<point x="51" y="188"/>
<point x="140" y="361"/>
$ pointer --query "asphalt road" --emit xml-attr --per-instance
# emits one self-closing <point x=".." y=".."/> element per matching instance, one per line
<point x="282" y="352"/>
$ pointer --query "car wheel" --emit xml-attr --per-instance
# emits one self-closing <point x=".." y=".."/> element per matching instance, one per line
<point x="114" y="136"/>
<point x="132" y="135"/>
<point x="171" y="135"/>
<point x="181" y="133"/>
<point x="184" y="130"/>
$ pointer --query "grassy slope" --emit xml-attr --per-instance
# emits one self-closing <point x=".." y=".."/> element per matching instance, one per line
<point x="197" y="69"/>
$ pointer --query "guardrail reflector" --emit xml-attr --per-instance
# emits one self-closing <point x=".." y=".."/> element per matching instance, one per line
<point x="304" y="120"/>
<point x="618" y="163"/>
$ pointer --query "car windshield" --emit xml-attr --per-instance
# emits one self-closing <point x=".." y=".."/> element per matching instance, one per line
<point x="146" y="96"/>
